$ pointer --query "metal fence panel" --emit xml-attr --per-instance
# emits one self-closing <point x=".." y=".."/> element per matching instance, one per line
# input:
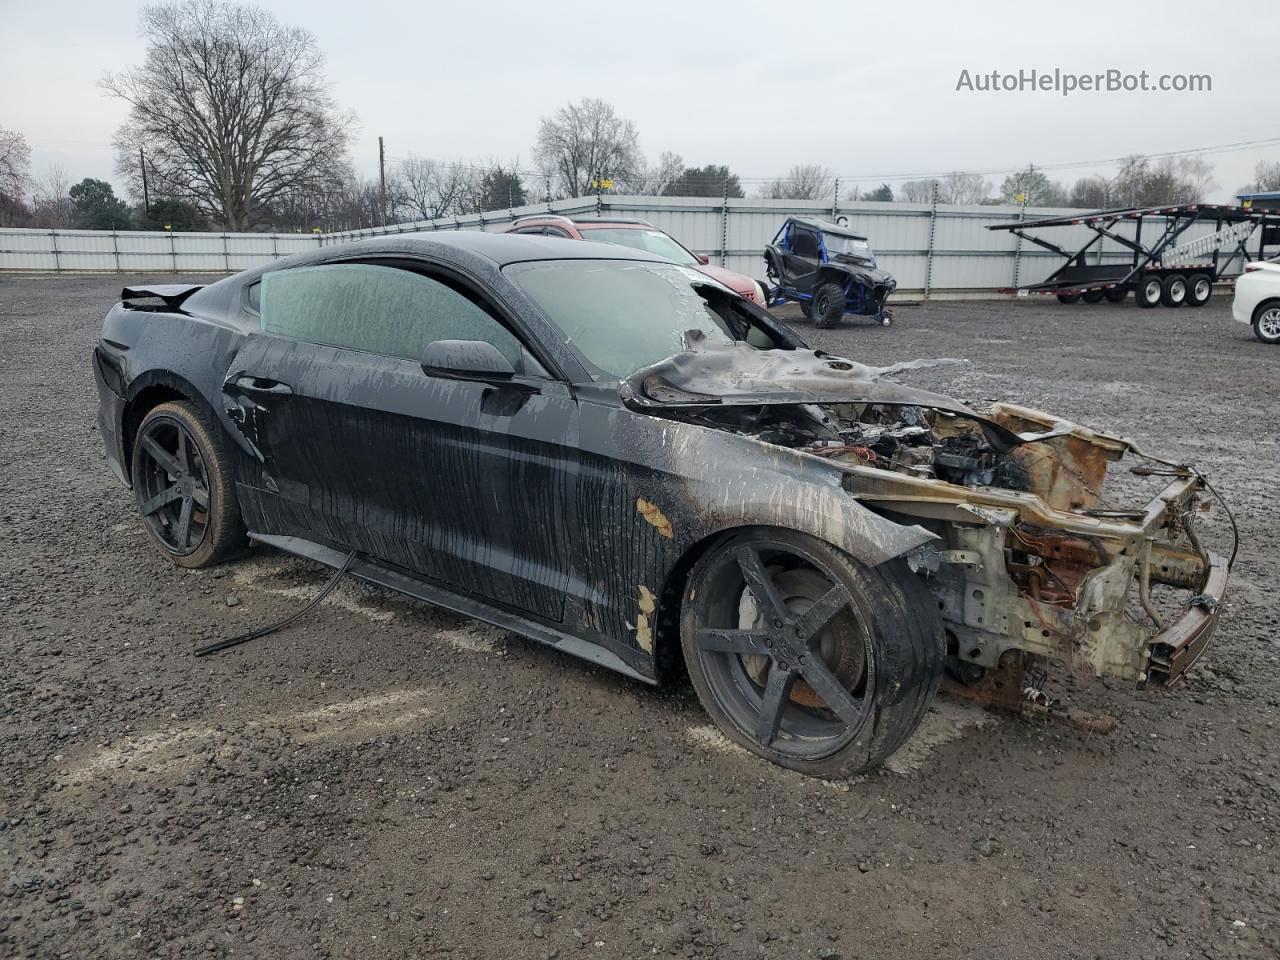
<point x="942" y="250"/>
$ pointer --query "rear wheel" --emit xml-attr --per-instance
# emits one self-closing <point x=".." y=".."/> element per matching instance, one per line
<point x="184" y="488"/>
<point x="1068" y="298"/>
<point x="1173" y="291"/>
<point x="1199" y="289"/>
<point x="805" y="656"/>
<point x="1093" y="296"/>
<point x="1148" y="291"/>
<point x="1116" y="294"/>
<point x="827" y="306"/>
<point x="1266" y="322"/>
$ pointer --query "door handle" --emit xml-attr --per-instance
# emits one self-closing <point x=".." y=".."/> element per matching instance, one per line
<point x="263" y="385"/>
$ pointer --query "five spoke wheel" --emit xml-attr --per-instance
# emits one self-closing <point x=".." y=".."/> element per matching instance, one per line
<point x="173" y="485"/>
<point x="781" y="642"/>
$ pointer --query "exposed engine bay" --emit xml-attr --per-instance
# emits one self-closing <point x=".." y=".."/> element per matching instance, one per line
<point x="1029" y="555"/>
<point x="915" y="441"/>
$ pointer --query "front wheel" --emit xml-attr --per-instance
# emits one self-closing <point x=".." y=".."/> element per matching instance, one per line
<point x="827" y="306"/>
<point x="1116" y="294"/>
<point x="184" y="487"/>
<point x="1266" y="322"/>
<point x="807" y="657"/>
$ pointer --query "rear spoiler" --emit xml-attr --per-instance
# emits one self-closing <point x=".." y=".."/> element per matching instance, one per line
<point x="173" y="294"/>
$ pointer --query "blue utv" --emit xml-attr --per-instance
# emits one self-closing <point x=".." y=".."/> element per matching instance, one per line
<point x="828" y="268"/>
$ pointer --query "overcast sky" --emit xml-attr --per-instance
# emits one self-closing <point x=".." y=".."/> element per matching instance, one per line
<point x="867" y="90"/>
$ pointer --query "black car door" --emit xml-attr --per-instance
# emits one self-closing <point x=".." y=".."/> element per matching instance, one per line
<point x="464" y="481"/>
<point x="802" y="258"/>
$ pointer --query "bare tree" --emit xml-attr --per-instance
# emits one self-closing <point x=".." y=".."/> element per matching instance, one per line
<point x="15" y="165"/>
<point x="1266" y="177"/>
<point x="50" y="203"/>
<point x="232" y="108"/>
<point x="1093" y="193"/>
<point x="966" y="188"/>
<point x="655" y="180"/>
<point x="807" y="181"/>
<point x="1140" y="183"/>
<point x="919" y="191"/>
<point x="429" y="189"/>
<point x="588" y="141"/>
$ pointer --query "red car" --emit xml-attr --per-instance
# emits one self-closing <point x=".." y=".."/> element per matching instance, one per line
<point x="643" y="236"/>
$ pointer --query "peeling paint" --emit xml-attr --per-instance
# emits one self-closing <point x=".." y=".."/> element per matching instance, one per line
<point x="648" y="603"/>
<point x="655" y="517"/>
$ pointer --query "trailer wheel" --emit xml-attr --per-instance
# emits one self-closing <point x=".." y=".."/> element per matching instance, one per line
<point x="1116" y="294"/>
<point x="1068" y="298"/>
<point x="1093" y="296"/>
<point x="1173" y="291"/>
<point x="827" y="306"/>
<point x="1148" y="292"/>
<point x="1199" y="289"/>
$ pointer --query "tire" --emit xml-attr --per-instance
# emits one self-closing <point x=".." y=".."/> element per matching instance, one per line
<point x="827" y="306"/>
<point x="1116" y="294"/>
<point x="1093" y="296"/>
<point x="1068" y="298"/>
<point x="1173" y="290"/>
<point x="1148" y="291"/>
<point x="179" y="459"/>
<point x="878" y="652"/>
<point x="1266" y="322"/>
<point x="1199" y="289"/>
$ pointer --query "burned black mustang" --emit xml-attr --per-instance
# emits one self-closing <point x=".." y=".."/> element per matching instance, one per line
<point x="618" y="457"/>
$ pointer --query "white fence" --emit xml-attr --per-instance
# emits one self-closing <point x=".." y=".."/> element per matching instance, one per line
<point x="938" y="251"/>
<point x="138" y="251"/>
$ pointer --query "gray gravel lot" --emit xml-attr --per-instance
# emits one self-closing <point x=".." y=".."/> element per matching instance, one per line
<point x="387" y="780"/>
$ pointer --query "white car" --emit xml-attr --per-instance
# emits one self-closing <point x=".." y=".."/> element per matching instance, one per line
<point x="1257" y="300"/>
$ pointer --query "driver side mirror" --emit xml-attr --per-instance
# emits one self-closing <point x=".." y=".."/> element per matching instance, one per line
<point x="466" y="359"/>
<point x="702" y="258"/>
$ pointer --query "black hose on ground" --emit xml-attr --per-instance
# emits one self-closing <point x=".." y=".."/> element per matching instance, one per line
<point x="263" y="631"/>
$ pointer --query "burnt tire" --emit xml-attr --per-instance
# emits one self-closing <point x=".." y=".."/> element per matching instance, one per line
<point x="1199" y="289"/>
<point x="1148" y="291"/>
<point x="827" y="306"/>
<point x="1173" y="290"/>
<point x="1266" y="322"/>
<point x="882" y="646"/>
<point x="1116" y="294"/>
<point x="1068" y="298"/>
<point x="1093" y="296"/>
<point x="184" y="486"/>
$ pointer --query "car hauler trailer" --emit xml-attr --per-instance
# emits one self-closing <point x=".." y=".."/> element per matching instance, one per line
<point x="1161" y="269"/>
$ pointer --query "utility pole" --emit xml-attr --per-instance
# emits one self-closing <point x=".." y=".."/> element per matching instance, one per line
<point x="382" y="182"/>
<point x="146" y="197"/>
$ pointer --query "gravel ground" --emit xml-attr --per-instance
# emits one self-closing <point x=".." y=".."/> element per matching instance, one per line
<point x="387" y="780"/>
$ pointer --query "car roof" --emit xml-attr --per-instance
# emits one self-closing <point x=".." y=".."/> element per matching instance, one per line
<point x="506" y="248"/>
<point x="827" y="227"/>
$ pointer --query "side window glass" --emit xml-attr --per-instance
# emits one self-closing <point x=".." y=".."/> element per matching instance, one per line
<point x="804" y="243"/>
<point x="254" y="297"/>
<point x="557" y="232"/>
<point x="377" y="309"/>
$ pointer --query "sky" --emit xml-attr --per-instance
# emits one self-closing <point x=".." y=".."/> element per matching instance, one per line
<point x="869" y="91"/>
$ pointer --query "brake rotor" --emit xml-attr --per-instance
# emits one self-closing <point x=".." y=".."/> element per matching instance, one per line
<point x="841" y="648"/>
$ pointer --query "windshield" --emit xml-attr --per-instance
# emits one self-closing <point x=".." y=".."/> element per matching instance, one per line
<point x="839" y="245"/>
<point x="621" y="315"/>
<point x="651" y="241"/>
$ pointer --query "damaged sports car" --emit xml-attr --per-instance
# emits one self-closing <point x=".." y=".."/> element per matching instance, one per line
<point x="616" y="456"/>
